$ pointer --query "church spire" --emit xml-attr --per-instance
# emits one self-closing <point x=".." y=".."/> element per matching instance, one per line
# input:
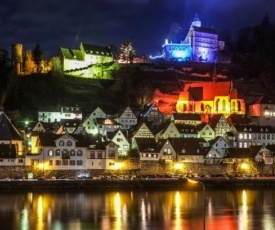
<point x="196" y="21"/>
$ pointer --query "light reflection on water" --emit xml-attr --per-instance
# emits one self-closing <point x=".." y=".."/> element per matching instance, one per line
<point x="146" y="210"/>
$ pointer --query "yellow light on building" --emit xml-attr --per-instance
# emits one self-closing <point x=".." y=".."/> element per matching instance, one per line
<point x="118" y="166"/>
<point x="244" y="166"/>
<point x="178" y="166"/>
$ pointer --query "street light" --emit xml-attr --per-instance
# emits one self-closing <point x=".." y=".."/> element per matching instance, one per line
<point x="203" y="194"/>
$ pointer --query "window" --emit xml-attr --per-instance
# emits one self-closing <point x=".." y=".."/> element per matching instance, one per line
<point x="61" y="143"/>
<point x="69" y="143"/>
<point x="92" y="154"/>
<point x="99" y="155"/>
<point x="65" y="162"/>
<point x="34" y="162"/>
<point x="72" y="153"/>
<point x="21" y="161"/>
<point x="79" y="153"/>
<point x="50" y="162"/>
<point x="112" y="153"/>
<point x="58" y="162"/>
<point x="72" y="162"/>
<point x="57" y="152"/>
<point x="79" y="162"/>
<point x="50" y="152"/>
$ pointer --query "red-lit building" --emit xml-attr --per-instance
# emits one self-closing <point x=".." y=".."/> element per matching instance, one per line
<point x="210" y="98"/>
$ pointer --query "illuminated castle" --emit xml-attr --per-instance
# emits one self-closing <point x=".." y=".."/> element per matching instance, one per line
<point x="83" y="58"/>
<point x="200" y="45"/>
<point x="210" y="98"/>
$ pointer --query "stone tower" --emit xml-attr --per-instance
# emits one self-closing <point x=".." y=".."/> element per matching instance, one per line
<point x="17" y="57"/>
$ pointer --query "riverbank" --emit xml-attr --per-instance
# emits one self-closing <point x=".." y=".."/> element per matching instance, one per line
<point x="107" y="185"/>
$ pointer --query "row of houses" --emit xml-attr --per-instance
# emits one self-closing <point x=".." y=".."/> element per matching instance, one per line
<point x="100" y="140"/>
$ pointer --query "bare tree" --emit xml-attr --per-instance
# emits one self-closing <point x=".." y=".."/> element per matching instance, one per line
<point x="127" y="51"/>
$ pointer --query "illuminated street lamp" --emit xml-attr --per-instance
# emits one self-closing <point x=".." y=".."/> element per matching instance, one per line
<point x="203" y="194"/>
<point x="178" y="167"/>
<point x="118" y="166"/>
<point x="41" y="166"/>
<point x="244" y="167"/>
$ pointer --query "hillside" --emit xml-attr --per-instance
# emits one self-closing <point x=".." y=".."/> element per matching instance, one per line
<point x="133" y="85"/>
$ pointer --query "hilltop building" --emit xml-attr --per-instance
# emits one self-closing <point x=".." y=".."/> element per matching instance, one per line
<point x="84" y="57"/>
<point x="201" y="44"/>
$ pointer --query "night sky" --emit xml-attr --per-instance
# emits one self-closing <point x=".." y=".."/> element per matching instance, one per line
<point x="66" y="23"/>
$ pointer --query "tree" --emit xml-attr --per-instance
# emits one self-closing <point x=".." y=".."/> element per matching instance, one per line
<point x="37" y="54"/>
<point x="56" y="65"/>
<point x="29" y="64"/>
<point x="175" y="33"/>
<point x="128" y="52"/>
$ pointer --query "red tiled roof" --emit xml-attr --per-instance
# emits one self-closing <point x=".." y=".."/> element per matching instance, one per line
<point x="205" y="91"/>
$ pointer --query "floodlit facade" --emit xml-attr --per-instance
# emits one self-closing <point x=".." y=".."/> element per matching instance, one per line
<point x="85" y="56"/>
<point x="200" y="45"/>
<point x="210" y="98"/>
<point x="55" y="114"/>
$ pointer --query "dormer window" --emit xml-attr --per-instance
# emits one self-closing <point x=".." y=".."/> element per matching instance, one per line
<point x="61" y="143"/>
<point x="69" y="143"/>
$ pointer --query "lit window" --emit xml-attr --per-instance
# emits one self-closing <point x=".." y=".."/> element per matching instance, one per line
<point x="50" y="152"/>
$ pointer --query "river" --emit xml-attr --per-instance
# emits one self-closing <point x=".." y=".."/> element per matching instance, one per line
<point x="243" y="209"/>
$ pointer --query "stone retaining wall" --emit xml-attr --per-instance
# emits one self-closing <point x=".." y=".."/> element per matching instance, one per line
<point x="134" y="166"/>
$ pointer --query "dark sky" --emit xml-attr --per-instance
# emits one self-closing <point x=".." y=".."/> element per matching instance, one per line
<point x="65" y="23"/>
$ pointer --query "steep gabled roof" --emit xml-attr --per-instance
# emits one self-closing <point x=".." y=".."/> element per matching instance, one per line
<point x="215" y="120"/>
<point x="106" y="121"/>
<point x="183" y="128"/>
<point x="241" y="153"/>
<point x="48" y="139"/>
<point x="97" y="50"/>
<point x="239" y="119"/>
<point x="201" y="126"/>
<point x="111" y="135"/>
<point x="148" y="108"/>
<point x="254" y="129"/>
<point x="7" y="151"/>
<point x="72" y="54"/>
<point x="147" y="145"/>
<point x="192" y="146"/>
<point x="205" y="30"/>
<point x="266" y="100"/>
<point x="7" y="130"/>
<point x="186" y="116"/>
<point x="205" y="91"/>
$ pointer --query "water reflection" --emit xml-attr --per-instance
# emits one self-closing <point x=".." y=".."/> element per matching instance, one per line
<point x="240" y="209"/>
